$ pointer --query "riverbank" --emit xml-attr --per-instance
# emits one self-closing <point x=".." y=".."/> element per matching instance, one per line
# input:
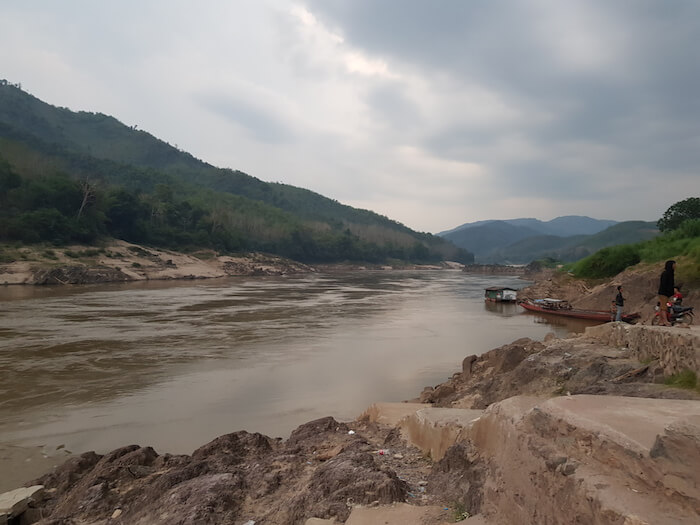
<point x="327" y="469"/>
<point x="437" y="452"/>
<point x="121" y="261"/>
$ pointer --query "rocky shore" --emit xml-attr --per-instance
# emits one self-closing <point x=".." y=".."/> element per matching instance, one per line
<point x="560" y="431"/>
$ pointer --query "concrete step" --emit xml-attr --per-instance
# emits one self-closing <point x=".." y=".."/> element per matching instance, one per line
<point x="605" y="459"/>
<point x="399" y="514"/>
<point x="391" y="413"/>
<point x="16" y="502"/>
<point x="432" y="430"/>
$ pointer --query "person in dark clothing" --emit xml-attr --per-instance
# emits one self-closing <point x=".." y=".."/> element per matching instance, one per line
<point x="666" y="285"/>
<point x="619" y="303"/>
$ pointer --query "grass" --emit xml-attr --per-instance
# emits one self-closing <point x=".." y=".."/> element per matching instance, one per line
<point x="682" y="245"/>
<point x="8" y="256"/>
<point x="90" y="252"/>
<point x="459" y="512"/>
<point x="686" y="379"/>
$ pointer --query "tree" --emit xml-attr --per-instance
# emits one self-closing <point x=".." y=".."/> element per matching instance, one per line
<point x="678" y="213"/>
<point x="88" y="190"/>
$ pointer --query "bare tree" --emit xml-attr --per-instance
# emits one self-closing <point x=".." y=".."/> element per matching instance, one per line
<point x="88" y="190"/>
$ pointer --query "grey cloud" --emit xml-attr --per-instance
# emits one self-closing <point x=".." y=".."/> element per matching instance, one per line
<point x="642" y="101"/>
<point x="389" y="103"/>
<point x="260" y="122"/>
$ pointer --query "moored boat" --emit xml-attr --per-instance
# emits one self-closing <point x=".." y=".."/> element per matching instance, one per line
<point x="564" y="309"/>
<point x="501" y="294"/>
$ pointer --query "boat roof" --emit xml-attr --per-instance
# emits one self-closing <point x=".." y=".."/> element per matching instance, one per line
<point x="497" y="288"/>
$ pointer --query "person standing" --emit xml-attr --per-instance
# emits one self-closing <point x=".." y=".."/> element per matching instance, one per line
<point x="666" y="285"/>
<point x="619" y="303"/>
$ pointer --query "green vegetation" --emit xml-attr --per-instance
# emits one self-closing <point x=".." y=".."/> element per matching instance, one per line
<point x="70" y="177"/>
<point x="459" y="513"/>
<point x="682" y="243"/>
<point x="686" y="379"/>
<point x="607" y="262"/>
<point x="679" y="213"/>
<point x="575" y="247"/>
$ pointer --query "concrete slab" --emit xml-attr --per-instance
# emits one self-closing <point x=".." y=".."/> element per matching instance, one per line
<point x="391" y="413"/>
<point x="592" y="454"/>
<point x="399" y="514"/>
<point x="15" y="502"/>
<point x="434" y="430"/>
<point x="630" y="421"/>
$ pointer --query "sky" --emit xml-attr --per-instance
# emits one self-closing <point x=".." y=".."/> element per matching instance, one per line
<point x="433" y="114"/>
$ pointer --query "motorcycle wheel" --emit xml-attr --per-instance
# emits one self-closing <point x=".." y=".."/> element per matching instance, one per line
<point x="686" y="318"/>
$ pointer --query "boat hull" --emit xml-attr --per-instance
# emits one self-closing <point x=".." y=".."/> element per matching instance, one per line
<point x="592" y="315"/>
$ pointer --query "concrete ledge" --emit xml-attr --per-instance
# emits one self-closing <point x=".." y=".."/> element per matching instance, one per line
<point x="622" y="458"/>
<point x="434" y="430"/>
<point x="391" y="413"/>
<point x="631" y="422"/>
<point x="16" y="502"/>
<point x="677" y="347"/>
<point x="398" y="514"/>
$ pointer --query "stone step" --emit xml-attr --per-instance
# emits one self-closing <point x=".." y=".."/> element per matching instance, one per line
<point x="432" y="430"/>
<point x="391" y="413"/>
<point x="606" y="459"/>
<point x="399" y="514"/>
<point x="16" y="502"/>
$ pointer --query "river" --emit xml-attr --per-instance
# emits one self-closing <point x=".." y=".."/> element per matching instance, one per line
<point x="175" y="364"/>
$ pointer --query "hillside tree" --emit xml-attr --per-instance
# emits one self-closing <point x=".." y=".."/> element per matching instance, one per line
<point x="679" y="213"/>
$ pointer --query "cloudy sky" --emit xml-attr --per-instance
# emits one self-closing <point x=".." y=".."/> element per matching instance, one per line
<point x="431" y="113"/>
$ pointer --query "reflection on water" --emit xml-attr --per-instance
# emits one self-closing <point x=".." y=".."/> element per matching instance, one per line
<point x="506" y="309"/>
<point x="176" y="364"/>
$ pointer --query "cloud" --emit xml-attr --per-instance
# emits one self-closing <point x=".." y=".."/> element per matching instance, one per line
<point x="433" y="114"/>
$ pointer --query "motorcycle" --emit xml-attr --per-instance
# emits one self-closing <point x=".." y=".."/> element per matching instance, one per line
<point x="677" y="313"/>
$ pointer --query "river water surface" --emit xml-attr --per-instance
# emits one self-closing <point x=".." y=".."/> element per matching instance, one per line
<point x="176" y="364"/>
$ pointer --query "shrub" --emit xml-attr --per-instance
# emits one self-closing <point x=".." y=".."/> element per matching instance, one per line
<point x="686" y="379"/>
<point x="607" y="262"/>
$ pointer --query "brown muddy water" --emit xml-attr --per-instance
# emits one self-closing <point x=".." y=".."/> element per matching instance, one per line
<point x="176" y="364"/>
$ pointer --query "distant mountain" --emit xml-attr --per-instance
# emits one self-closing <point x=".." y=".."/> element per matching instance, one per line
<point x="484" y="238"/>
<point x="575" y="247"/>
<point x="489" y="236"/>
<point x="70" y="176"/>
<point x="564" y="226"/>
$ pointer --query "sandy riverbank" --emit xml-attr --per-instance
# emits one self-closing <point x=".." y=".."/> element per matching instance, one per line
<point x="120" y="261"/>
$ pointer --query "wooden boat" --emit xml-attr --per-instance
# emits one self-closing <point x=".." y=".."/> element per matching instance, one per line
<point x="501" y="294"/>
<point x="564" y="309"/>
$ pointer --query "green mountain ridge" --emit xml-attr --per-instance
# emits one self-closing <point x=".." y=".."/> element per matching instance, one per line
<point x="575" y="247"/>
<point x="145" y="190"/>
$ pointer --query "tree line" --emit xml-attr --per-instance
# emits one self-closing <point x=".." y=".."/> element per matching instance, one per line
<point x="61" y="209"/>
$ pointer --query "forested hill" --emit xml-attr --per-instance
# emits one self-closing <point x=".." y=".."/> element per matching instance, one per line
<point x="77" y="176"/>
